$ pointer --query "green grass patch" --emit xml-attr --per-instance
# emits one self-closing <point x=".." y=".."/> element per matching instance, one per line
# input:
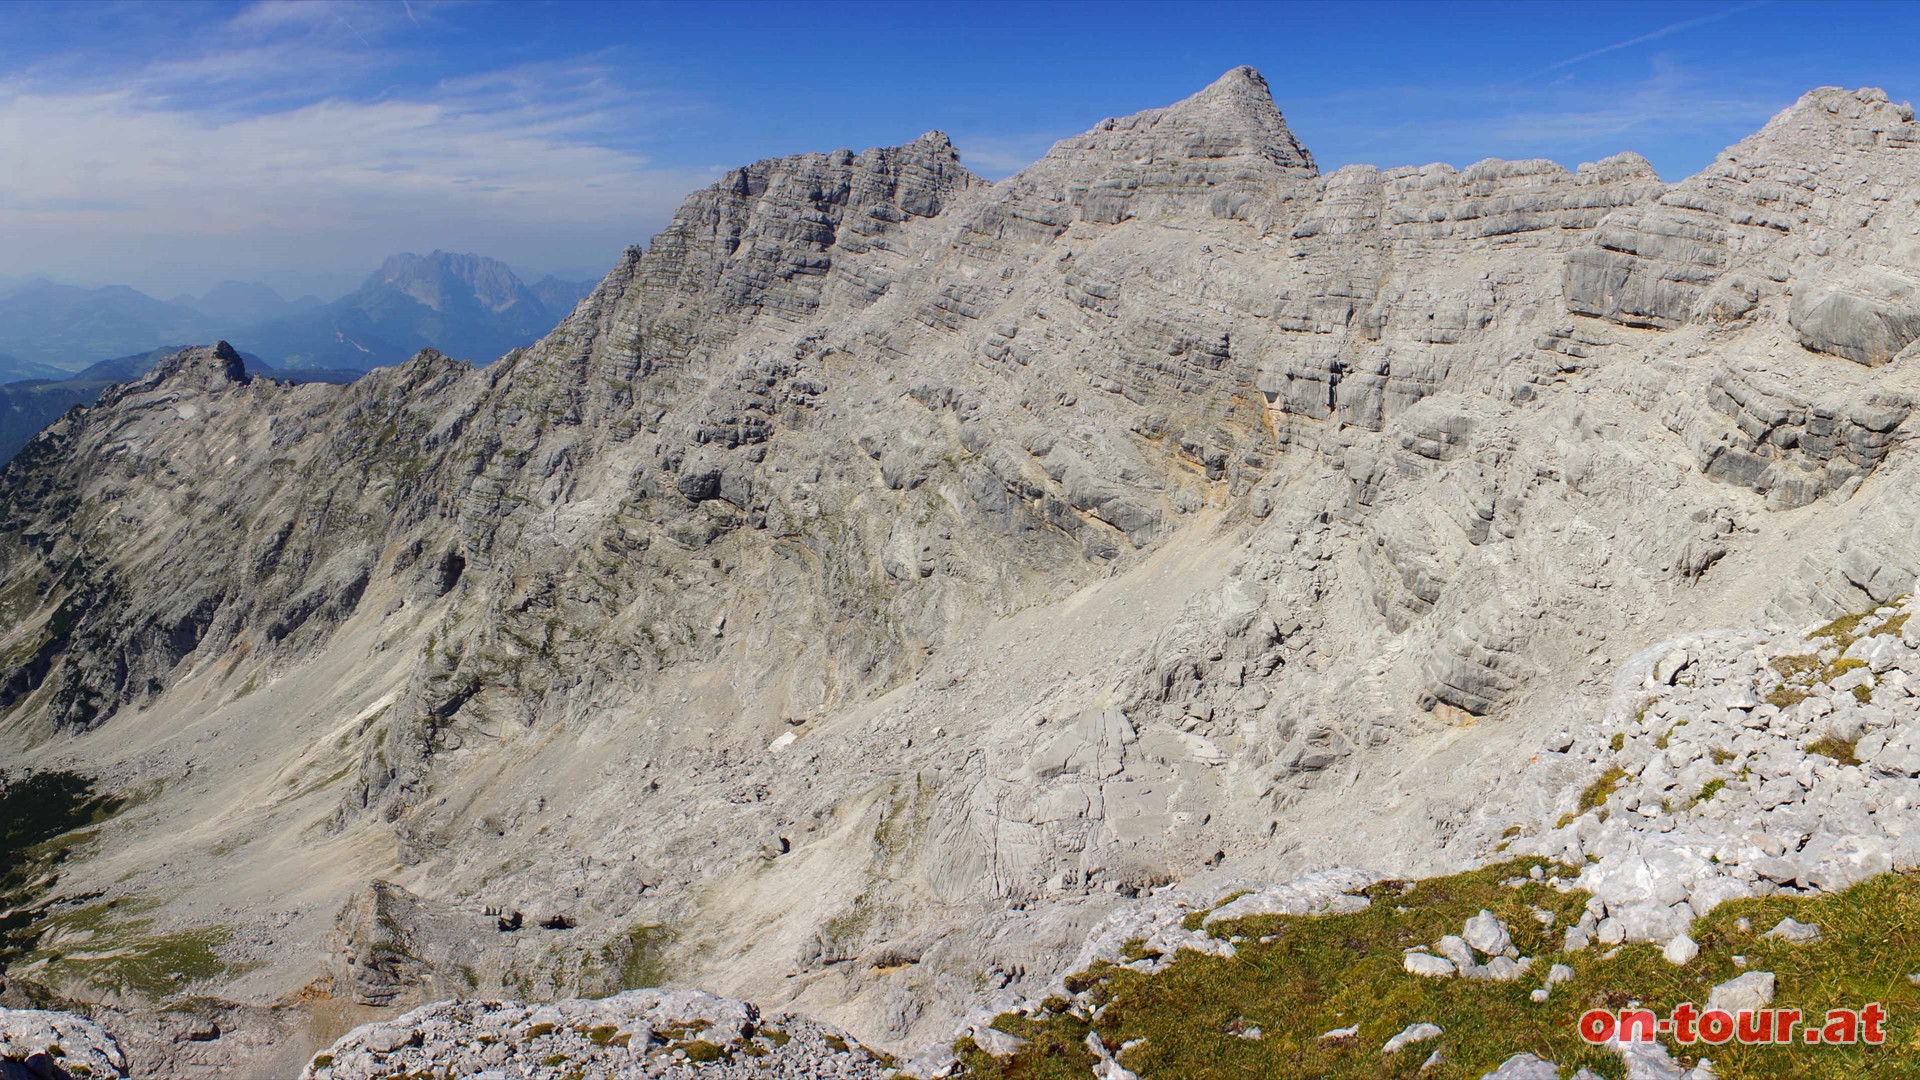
<point x="1596" y="794"/>
<point x="1299" y="977"/>
<point x="1197" y="919"/>
<point x="1844" y="630"/>
<point x="1801" y="672"/>
<point x="604" y="1035"/>
<point x="1056" y="1050"/>
<point x="44" y="818"/>
<point x="1840" y="750"/>
<point x="1710" y="789"/>
<point x="1841" y="667"/>
<point x="639" y="957"/>
<point x="1799" y="666"/>
<point x="1785" y="696"/>
<point x="112" y="946"/>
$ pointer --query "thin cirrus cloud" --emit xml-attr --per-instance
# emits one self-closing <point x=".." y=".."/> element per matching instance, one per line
<point x="1651" y="36"/>
<point x="266" y="153"/>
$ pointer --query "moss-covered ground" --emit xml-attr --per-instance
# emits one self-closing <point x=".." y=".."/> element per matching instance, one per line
<point x="1296" y="978"/>
<point x="113" y="946"/>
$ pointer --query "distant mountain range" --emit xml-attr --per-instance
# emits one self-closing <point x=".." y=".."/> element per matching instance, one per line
<point x="244" y="303"/>
<point x="63" y="328"/>
<point x="12" y="368"/>
<point x="467" y="306"/>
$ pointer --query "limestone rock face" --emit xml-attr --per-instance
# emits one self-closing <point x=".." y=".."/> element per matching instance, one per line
<point x="36" y="1044"/>
<point x="1711" y="247"/>
<point x="1869" y="317"/>
<point x="1218" y="153"/>
<point x="884" y="575"/>
<point x="778" y="237"/>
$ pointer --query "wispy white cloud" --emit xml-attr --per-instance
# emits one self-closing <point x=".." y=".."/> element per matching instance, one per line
<point x="1651" y="36"/>
<point x="258" y="151"/>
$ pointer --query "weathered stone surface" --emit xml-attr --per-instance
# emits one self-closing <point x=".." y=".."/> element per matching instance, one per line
<point x="1524" y="1067"/>
<point x="1704" y="251"/>
<point x="36" y="1044"/>
<point x="1869" y="317"/>
<point x="1743" y="993"/>
<point x="642" y="1033"/>
<point x="1414" y="1033"/>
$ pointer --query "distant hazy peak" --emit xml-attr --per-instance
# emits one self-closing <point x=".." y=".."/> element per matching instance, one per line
<point x="249" y="290"/>
<point x="432" y="279"/>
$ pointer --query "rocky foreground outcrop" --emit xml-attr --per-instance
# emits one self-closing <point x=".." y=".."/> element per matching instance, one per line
<point x="669" y="1035"/>
<point x="1741" y="764"/>
<point x="37" y="1045"/>
<point x="885" y="576"/>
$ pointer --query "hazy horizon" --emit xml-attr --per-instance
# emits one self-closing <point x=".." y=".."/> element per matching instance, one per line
<point x="295" y="284"/>
<point x="299" y="143"/>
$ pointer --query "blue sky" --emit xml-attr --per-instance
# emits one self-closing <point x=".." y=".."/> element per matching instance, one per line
<point x="171" y="146"/>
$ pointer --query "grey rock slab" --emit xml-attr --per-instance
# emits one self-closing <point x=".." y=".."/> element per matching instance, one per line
<point x="59" y="1040"/>
<point x="1413" y="1033"/>
<point x="1798" y="933"/>
<point x="1488" y="935"/>
<point x="1324" y="893"/>
<point x="1524" y="1067"/>
<point x="1743" y="993"/>
<point x="1430" y="966"/>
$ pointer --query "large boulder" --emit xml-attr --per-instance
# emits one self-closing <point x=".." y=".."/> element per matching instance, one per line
<point x="1867" y="316"/>
<point x="36" y="1044"/>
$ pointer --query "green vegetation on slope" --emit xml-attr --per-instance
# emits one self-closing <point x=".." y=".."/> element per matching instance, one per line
<point x="43" y="817"/>
<point x="1297" y="978"/>
<point x="1799" y="674"/>
<point x="640" y="959"/>
<point x="112" y="946"/>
